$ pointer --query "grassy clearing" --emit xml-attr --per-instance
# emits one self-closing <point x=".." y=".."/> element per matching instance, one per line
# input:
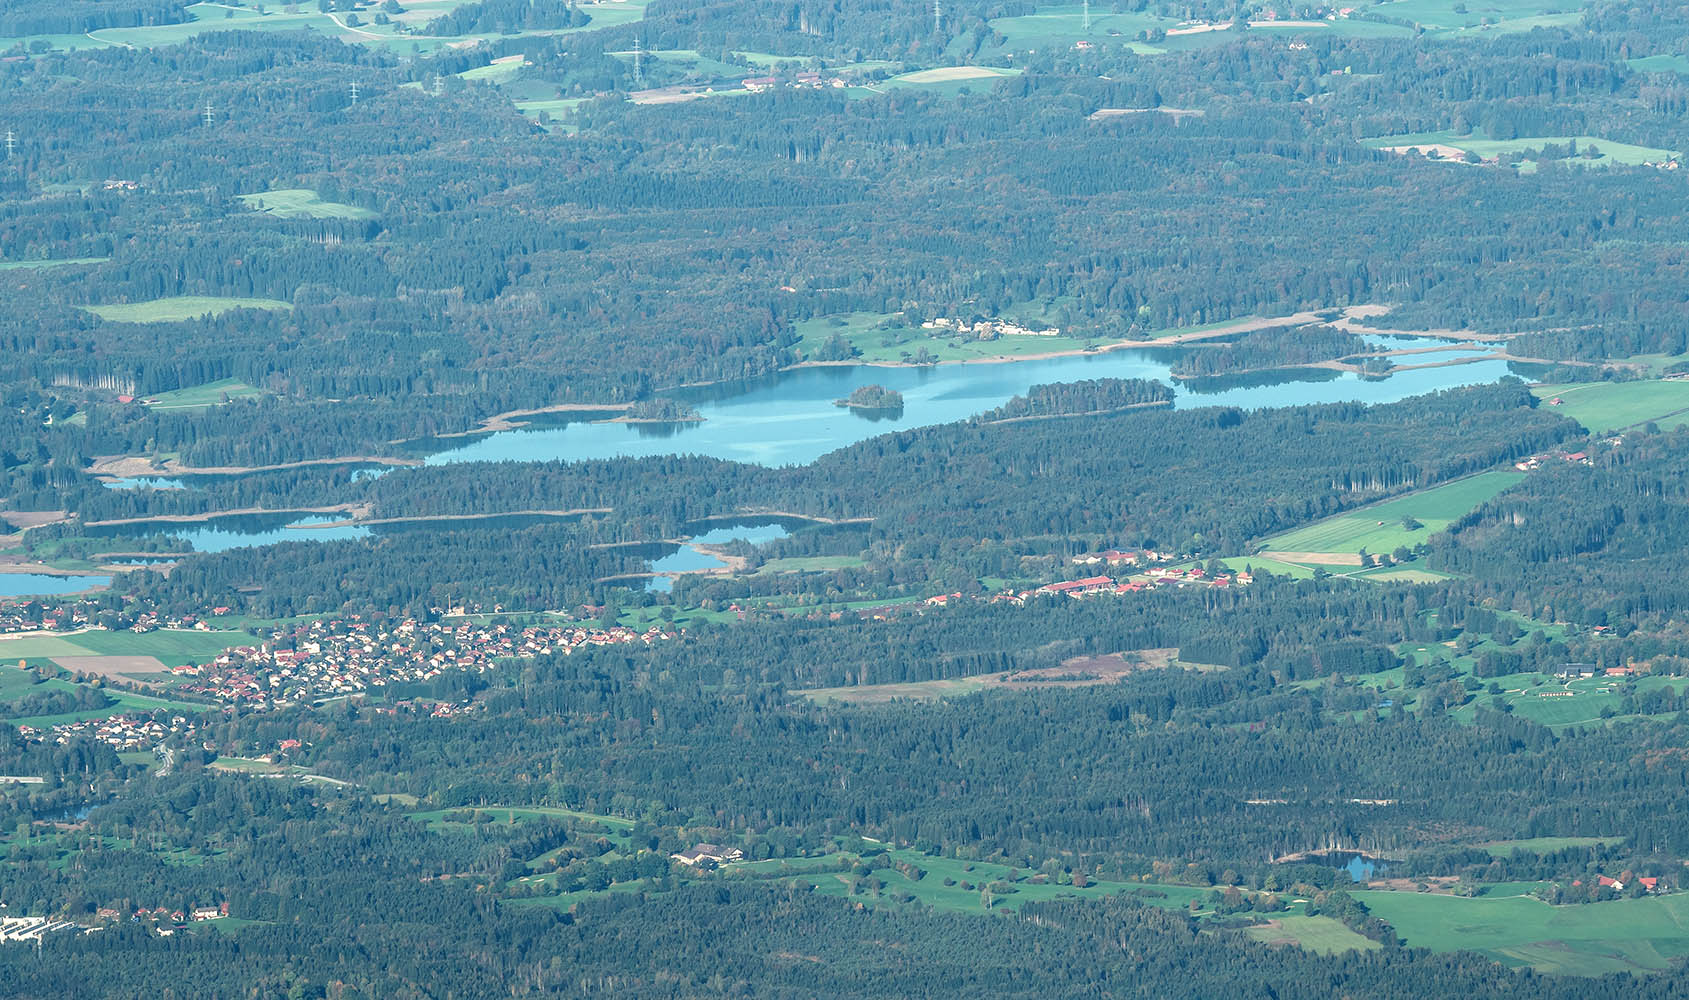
<point x="500" y="70"/>
<point x="1660" y="64"/>
<point x="880" y="694"/>
<point x="1609" y="406"/>
<point x="1542" y="845"/>
<point x="1065" y="25"/>
<point x="35" y="265"/>
<point x="181" y="307"/>
<point x="1320" y="935"/>
<point x="811" y="564"/>
<point x="1612" y="152"/>
<point x="435" y="819"/>
<point x="883" y="338"/>
<point x="172" y="647"/>
<point x="1630" y="935"/>
<point x="1380" y="528"/>
<point x="305" y="203"/>
<point x="200" y="396"/>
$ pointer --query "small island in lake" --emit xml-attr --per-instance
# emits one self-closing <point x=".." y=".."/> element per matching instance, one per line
<point x="659" y="411"/>
<point x="873" y="397"/>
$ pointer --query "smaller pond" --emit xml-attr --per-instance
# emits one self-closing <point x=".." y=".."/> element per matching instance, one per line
<point x="220" y="534"/>
<point x="688" y="558"/>
<point x="1359" y="866"/>
<point x="43" y="585"/>
<point x="146" y="482"/>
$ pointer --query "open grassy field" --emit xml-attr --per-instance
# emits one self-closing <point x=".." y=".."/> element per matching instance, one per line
<point x="1635" y="935"/>
<point x="396" y="36"/>
<point x="33" y="265"/>
<point x="180" y="307"/>
<point x="883" y="338"/>
<point x="811" y="564"/>
<point x="1660" y="64"/>
<point x="1613" y="152"/>
<point x="197" y="397"/>
<point x="1379" y="528"/>
<point x="1321" y="935"/>
<point x="511" y="815"/>
<point x="304" y="203"/>
<point x="1502" y="15"/>
<point x="171" y="647"/>
<point x="1543" y="845"/>
<point x="500" y="70"/>
<point x="1611" y="406"/>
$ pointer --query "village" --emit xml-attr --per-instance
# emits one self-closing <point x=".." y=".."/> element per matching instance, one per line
<point x="320" y="660"/>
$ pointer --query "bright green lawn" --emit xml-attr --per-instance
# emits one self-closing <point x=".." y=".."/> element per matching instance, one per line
<point x="1608" y="406"/>
<point x="1434" y="508"/>
<point x="304" y="203"/>
<point x="199" y="396"/>
<point x="172" y="647"/>
<point x="180" y="307"/>
<point x="1321" y="935"/>
<point x="883" y="338"/>
<point x="1637" y="935"/>
<point x="1065" y="25"/>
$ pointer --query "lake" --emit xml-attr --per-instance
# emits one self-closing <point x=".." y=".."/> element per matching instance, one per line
<point x="790" y="418"/>
<point x="236" y="531"/>
<point x="44" y="585"/>
<point x="690" y="559"/>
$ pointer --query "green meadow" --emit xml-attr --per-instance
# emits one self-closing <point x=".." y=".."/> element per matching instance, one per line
<point x="1321" y="935"/>
<point x="181" y="307"/>
<point x="883" y="338"/>
<point x="1612" y="151"/>
<point x="1629" y="935"/>
<point x="1542" y="845"/>
<point x="1611" y="406"/>
<point x="1380" y="529"/>
<point x="171" y="647"/>
<point x="200" y="396"/>
<point x="304" y="203"/>
<point x="1660" y="64"/>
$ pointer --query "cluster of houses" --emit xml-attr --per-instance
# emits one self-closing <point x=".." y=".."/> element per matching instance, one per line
<point x="120" y="732"/>
<point x="37" y="616"/>
<point x="708" y="855"/>
<point x="1536" y="462"/>
<point x="327" y="659"/>
<point x="1152" y="579"/>
<point x="813" y="81"/>
<point x="989" y="329"/>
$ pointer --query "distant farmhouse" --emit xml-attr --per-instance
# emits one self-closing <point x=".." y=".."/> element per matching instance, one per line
<point x="705" y="855"/>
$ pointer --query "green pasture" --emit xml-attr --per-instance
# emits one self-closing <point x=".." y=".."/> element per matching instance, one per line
<point x="1320" y="935"/>
<point x="811" y="564"/>
<point x="1540" y="845"/>
<point x="1400" y="575"/>
<point x="1065" y="25"/>
<point x="1611" y="150"/>
<point x="500" y="70"/>
<point x="35" y="265"/>
<point x="1629" y="935"/>
<point x="1259" y="564"/>
<point x="555" y="106"/>
<point x="180" y="307"/>
<point x="1610" y="406"/>
<point x="1660" y="64"/>
<point x="395" y="36"/>
<point x="172" y="647"/>
<point x="1457" y="14"/>
<point x="304" y="203"/>
<point x="199" y="396"/>
<point x="1379" y="528"/>
<point x="883" y="338"/>
<point x="435" y="819"/>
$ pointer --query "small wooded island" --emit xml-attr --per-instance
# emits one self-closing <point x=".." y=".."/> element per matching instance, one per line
<point x="873" y="397"/>
<point x="661" y="411"/>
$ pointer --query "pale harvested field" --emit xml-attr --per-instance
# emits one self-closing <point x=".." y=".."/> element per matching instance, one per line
<point x="1320" y="558"/>
<point x="1105" y="669"/>
<point x="944" y="74"/>
<point x="116" y="667"/>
